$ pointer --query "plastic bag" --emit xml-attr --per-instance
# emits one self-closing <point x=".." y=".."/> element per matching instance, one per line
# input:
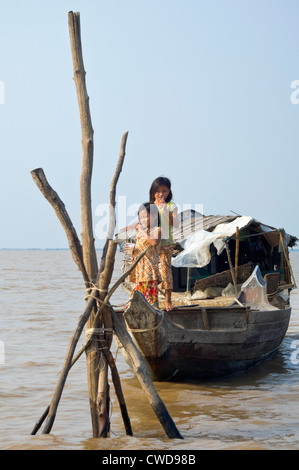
<point x="196" y="250"/>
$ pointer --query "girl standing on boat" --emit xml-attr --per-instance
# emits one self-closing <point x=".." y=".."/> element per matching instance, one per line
<point x="161" y="195"/>
<point x="146" y="275"/>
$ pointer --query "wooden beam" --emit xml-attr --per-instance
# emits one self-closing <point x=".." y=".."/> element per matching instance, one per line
<point x="88" y="247"/>
<point x="89" y="253"/>
<point x="112" y="198"/>
<point x="144" y="378"/>
<point x="67" y="363"/>
<point x="52" y="197"/>
<point x="70" y="359"/>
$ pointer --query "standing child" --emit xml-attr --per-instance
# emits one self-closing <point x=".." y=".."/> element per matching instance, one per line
<point x="146" y="275"/>
<point x="161" y="195"/>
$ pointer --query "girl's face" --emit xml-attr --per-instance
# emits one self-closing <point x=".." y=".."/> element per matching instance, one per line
<point x="161" y="194"/>
<point x="148" y="221"/>
<point x="143" y="216"/>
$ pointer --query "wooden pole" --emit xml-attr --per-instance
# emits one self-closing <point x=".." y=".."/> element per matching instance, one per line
<point x="40" y="421"/>
<point x="103" y="398"/>
<point x="69" y="361"/>
<point x="117" y="385"/>
<point x="89" y="252"/>
<point x="106" y="270"/>
<point x="237" y="254"/>
<point x="112" y="199"/>
<point x="105" y="320"/>
<point x="52" y="197"/>
<point x="231" y="267"/>
<point x="287" y="259"/>
<point x="144" y="378"/>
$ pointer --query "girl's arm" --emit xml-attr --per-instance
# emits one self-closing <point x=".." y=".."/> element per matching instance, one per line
<point x="172" y="215"/>
<point x="174" y="218"/>
<point x="153" y="237"/>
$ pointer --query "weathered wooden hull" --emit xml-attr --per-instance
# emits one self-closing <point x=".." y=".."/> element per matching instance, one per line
<point x="203" y="343"/>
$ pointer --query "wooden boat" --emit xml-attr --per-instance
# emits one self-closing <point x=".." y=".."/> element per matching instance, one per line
<point x="215" y="337"/>
<point x="208" y="342"/>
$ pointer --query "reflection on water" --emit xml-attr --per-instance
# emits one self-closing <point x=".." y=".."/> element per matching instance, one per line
<point x="41" y="300"/>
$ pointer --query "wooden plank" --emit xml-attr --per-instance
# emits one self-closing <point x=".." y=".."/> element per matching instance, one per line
<point x="205" y="319"/>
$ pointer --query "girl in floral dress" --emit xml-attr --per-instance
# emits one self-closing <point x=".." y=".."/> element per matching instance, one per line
<point x="146" y="275"/>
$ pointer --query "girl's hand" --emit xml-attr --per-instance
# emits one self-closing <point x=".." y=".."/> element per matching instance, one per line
<point x="155" y="233"/>
<point x="155" y="236"/>
<point x="140" y="228"/>
<point x="160" y="201"/>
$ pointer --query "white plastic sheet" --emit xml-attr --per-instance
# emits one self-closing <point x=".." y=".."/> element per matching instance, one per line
<point x="196" y="250"/>
<point x="196" y="253"/>
<point x="229" y="229"/>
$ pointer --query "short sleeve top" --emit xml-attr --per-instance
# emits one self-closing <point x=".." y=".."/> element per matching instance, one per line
<point x="166" y="227"/>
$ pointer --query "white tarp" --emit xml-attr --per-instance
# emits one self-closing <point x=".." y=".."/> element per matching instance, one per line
<point x="196" y="253"/>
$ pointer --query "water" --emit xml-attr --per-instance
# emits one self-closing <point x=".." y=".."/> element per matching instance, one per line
<point x="41" y="300"/>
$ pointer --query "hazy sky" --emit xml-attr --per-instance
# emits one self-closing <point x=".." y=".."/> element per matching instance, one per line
<point x="202" y="86"/>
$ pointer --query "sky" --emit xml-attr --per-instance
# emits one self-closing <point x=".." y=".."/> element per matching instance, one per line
<point x="205" y="88"/>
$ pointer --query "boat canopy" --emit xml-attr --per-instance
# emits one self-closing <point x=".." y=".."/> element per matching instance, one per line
<point x="197" y="233"/>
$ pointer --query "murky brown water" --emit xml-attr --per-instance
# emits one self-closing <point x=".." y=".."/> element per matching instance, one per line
<point x="41" y="300"/>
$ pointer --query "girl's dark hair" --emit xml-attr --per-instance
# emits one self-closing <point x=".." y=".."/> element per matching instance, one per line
<point x="160" y="181"/>
<point x="150" y="209"/>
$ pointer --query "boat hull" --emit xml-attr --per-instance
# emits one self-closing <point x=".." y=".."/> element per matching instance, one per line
<point x="204" y="343"/>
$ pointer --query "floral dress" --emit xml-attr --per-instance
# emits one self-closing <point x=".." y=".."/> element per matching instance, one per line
<point x="146" y="275"/>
